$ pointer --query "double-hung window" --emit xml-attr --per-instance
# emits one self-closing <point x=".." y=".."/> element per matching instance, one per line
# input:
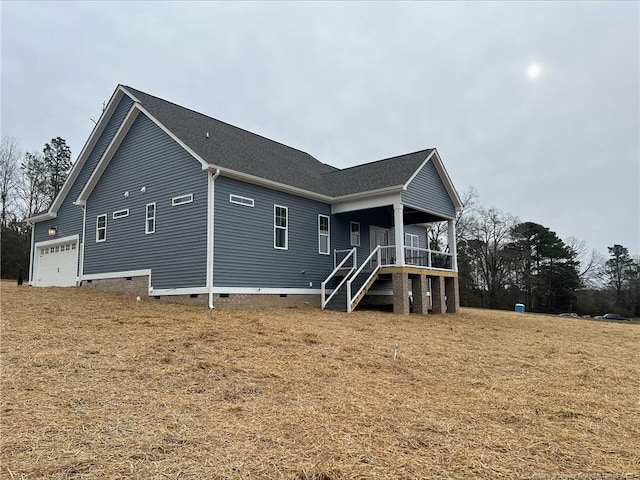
<point x="323" y="234"/>
<point x="412" y="257"/>
<point x="101" y="228"/>
<point x="150" y="219"/>
<point x="280" y="227"/>
<point x="355" y="234"/>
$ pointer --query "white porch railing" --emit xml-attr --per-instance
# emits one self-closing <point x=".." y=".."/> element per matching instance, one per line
<point x="323" y="286"/>
<point x="419" y="257"/>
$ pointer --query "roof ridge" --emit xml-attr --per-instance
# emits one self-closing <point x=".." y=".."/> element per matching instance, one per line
<point x="224" y="123"/>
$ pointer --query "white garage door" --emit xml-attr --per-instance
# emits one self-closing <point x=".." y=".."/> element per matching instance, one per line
<point x="57" y="265"/>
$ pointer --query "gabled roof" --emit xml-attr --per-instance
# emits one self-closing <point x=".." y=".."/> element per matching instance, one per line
<point x="389" y="172"/>
<point x="247" y="155"/>
<point x="229" y="147"/>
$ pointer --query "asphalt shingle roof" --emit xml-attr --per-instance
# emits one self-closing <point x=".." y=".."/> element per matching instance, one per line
<point x="236" y="149"/>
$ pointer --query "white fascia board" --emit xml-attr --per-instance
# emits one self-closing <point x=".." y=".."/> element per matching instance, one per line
<point x="364" y="202"/>
<point x="108" y="155"/>
<point x="263" y="182"/>
<point x="55" y="241"/>
<point x="123" y="274"/>
<point x="159" y="124"/>
<point x="87" y="148"/>
<point x="42" y="217"/>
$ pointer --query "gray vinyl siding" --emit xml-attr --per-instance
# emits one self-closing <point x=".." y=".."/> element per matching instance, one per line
<point x="177" y="252"/>
<point x="69" y="219"/>
<point x="244" y="253"/>
<point x="426" y="191"/>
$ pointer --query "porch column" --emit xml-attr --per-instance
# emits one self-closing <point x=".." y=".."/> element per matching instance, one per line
<point x="398" y="224"/>
<point x="451" y="234"/>
<point x="400" y="293"/>
<point x="451" y="288"/>
<point x="437" y="295"/>
<point x="419" y="291"/>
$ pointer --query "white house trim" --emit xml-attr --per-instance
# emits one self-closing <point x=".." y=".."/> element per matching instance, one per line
<point x="122" y="274"/>
<point x="210" y="231"/>
<point x="367" y="202"/>
<point x="55" y="241"/>
<point x="233" y="291"/>
<point x="82" y="158"/>
<point x="178" y="291"/>
<point x="107" y="155"/>
<point x="204" y="164"/>
<point x="267" y="291"/>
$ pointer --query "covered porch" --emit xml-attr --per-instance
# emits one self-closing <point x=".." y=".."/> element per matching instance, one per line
<point x="399" y="255"/>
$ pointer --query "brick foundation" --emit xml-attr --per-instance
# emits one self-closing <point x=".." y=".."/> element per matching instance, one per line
<point x="139" y="286"/>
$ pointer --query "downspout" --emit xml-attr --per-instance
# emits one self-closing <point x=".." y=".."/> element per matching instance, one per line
<point x="31" y="255"/>
<point x="210" y="232"/>
<point x="84" y="225"/>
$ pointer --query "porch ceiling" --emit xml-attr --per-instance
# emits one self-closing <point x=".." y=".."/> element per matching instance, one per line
<point x="383" y="216"/>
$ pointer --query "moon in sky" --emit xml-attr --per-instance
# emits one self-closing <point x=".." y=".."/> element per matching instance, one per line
<point x="533" y="71"/>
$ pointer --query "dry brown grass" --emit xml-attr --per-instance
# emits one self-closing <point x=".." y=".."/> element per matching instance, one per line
<point x="96" y="385"/>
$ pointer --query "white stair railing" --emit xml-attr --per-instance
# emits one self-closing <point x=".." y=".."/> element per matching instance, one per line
<point x="375" y="265"/>
<point x="323" y="286"/>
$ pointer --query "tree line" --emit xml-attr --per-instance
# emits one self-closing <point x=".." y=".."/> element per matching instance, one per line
<point x="29" y="182"/>
<point x="501" y="260"/>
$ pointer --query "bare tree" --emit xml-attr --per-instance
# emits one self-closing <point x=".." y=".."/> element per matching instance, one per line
<point x="487" y="238"/>
<point x="591" y="262"/>
<point x="33" y="188"/>
<point x="9" y="155"/>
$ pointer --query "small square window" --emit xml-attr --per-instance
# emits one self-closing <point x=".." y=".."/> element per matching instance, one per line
<point x="175" y="201"/>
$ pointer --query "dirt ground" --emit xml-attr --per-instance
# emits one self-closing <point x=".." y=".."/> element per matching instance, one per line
<point x="97" y="385"/>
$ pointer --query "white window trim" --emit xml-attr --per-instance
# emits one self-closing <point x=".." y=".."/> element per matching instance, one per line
<point x="285" y="228"/>
<point x="239" y="200"/>
<point x="351" y="242"/>
<point x="147" y="231"/>
<point x="98" y="240"/>
<point x="121" y="213"/>
<point x="182" y="200"/>
<point x="322" y="234"/>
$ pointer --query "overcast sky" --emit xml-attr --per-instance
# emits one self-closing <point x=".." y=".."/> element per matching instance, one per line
<point x="537" y="105"/>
